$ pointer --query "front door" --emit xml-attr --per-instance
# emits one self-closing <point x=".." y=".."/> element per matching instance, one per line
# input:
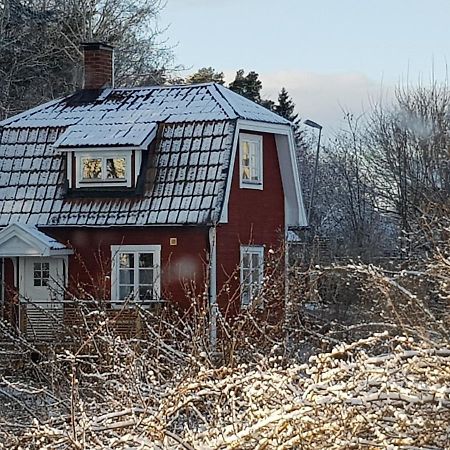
<point x="41" y="290"/>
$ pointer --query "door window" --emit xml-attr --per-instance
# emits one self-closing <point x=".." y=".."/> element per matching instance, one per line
<point x="41" y="274"/>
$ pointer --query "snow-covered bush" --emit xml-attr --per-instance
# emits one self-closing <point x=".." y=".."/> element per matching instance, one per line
<point x="383" y="392"/>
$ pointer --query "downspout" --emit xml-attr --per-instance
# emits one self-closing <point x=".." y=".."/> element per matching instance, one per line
<point x="287" y="290"/>
<point x="213" y="310"/>
<point x="2" y="288"/>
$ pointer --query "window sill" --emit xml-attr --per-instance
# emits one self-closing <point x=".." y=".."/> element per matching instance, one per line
<point x="251" y="185"/>
<point x="100" y="183"/>
<point x="132" y="304"/>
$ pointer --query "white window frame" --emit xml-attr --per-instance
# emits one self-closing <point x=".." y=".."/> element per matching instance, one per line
<point x="103" y="155"/>
<point x="251" y="250"/>
<point x="252" y="139"/>
<point x="116" y="250"/>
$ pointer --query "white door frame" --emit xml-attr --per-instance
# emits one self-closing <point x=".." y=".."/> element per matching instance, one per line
<point x="24" y="277"/>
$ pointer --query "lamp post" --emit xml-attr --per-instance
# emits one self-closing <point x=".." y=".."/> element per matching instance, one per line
<point x="312" y="124"/>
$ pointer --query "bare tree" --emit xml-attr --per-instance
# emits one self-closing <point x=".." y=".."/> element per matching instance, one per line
<point x="378" y="176"/>
<point x="409" y="145"/>
<point x="345" y="210"/>
<point x="40" y="56"/>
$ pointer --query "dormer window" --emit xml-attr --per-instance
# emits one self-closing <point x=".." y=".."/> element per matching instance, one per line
<point x="251" y="161"/>
<point x="105" y="156"/>
<point x="107" y="169"/>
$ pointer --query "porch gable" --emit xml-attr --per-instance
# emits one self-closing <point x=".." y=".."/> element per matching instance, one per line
<point x="26" y="240"/>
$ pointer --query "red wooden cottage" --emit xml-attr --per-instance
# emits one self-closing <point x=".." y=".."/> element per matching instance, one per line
<point x="137" y="193"/>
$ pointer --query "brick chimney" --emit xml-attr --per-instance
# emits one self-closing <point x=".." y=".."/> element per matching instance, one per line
<point x="98" y="65"/>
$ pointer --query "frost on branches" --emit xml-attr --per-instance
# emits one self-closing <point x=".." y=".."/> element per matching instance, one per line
<point x="381" y="392"/>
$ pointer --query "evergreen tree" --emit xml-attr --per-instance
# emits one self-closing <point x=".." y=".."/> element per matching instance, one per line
<point x="248" y="86"/>
<point x="206" y="75"/>
<point x="269" y="104"/>
<point x="285" y="107"/>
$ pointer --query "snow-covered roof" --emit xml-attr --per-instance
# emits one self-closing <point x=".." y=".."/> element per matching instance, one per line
<point x="134" y="135"/>
<point x="190" y="103"/>
<point x="185" y="179"/>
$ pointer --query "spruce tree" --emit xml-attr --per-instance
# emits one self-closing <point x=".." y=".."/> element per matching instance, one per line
<point x="285" y="107"/>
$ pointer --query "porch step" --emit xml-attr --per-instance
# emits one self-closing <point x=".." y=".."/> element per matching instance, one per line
<point x="43" y="324"/>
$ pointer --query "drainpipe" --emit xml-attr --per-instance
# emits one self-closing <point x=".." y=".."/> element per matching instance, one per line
<point x="287" y="299"/>
<point x="213" y="289"/>
<point x="2" y="288"/>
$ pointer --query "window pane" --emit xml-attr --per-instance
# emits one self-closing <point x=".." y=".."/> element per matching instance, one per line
<point x="146" y="292"/>
<point x="245" y="161"/>
<point x="246" y="260"/>
<point x="126" y="260"/>
<point x="255" y="260"/>
<point x="245" y="295"/>
<point x="125" y="292"/>
<point x="246" y="173"/>
<point x="246" y="153"/>
<point x="146" y="276"/>
<point x="146" y="260"/>
<point x="126" y="276"/>
<point x="255" y="277"/>
<point x="255" y="162"/>
<point x="115" y="168"/>
<point x="92" y="168"/>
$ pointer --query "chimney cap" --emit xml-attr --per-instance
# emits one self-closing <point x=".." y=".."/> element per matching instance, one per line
<point x="95" y="45"/>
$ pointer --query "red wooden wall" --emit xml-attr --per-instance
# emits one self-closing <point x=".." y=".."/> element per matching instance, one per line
<point x="182" y="266"/>
<point x="254" y="217"/>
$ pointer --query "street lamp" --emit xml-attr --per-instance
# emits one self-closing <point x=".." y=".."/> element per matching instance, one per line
<point x="312" y="124"/>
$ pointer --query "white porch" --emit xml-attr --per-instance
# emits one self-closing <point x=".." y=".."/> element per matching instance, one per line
<point x="40" y="277"/>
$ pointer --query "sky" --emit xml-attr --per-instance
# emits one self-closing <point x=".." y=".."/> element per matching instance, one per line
<point x="331" y="55"/>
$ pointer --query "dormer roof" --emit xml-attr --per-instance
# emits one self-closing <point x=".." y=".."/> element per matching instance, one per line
<point x="136" y="136"/>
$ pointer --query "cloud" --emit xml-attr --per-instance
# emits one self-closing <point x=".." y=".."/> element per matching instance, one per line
<point x="324" y="97"/>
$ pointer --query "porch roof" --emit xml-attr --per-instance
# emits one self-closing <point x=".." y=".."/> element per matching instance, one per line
<point x="18" y="239"/>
